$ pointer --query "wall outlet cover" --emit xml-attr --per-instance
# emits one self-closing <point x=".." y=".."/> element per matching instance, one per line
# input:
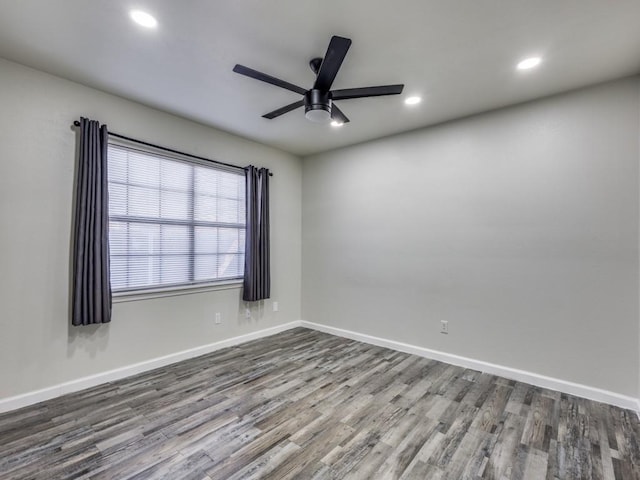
<point x="444" y="326"/>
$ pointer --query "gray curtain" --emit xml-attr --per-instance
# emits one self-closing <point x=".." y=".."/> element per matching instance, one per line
<point x="257" y="271"/>
<point x="91" y="287"/>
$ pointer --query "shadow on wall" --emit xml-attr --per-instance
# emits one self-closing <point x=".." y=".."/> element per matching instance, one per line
<point x="250" y="313"/>
<point x="87" y="338"/>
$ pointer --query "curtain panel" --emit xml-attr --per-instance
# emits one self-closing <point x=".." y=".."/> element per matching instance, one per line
<point x="257" y="271"/>
<point x="91" y="294"/>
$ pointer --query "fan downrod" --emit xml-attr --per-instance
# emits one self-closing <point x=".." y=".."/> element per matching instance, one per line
<point x="315" y="63"/>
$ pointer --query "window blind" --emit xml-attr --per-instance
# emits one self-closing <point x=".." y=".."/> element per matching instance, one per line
<point x="172" y="221"/>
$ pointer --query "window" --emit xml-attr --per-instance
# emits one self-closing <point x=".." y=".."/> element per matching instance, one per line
<point x="173" y="221"/>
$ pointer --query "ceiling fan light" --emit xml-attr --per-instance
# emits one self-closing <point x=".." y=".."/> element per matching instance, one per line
<point x="318" y="114"/>
<point x="317" y="106"/>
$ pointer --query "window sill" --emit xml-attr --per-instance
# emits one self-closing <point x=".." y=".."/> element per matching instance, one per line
<point x="132" y="296"/>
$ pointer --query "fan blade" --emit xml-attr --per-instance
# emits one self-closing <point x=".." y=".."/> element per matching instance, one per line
<point x="366" y="92"/>
<point x="331" y="63"/>
<point x="283" y="110"/>
<point x="337" y="115"/>
<point x="263" y="77"/>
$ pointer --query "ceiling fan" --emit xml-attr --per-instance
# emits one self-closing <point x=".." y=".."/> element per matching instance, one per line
<point x="319" y="101"/>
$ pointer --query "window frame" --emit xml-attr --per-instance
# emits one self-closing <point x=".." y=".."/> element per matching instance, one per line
<point x="154" y="291"/>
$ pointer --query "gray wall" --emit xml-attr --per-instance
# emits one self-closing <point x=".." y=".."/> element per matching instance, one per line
<point x="38" y="348"/>
<point x="519" y="227"/>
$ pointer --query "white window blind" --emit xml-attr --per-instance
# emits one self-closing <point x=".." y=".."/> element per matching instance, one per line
<point x="172" y="222"/>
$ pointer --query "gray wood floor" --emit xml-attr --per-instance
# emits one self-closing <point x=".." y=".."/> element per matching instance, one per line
<point x="303" y="404"/>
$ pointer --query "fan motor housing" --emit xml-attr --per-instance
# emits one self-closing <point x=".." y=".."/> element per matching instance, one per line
<point x="317" y="105"/>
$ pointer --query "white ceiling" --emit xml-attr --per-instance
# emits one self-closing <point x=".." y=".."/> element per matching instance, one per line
<point x="460" y="55"/>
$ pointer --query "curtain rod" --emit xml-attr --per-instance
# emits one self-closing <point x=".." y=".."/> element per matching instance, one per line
<point x="123" y="137"/>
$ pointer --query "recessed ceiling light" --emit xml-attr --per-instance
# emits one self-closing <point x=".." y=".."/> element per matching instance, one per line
<point x="143" y="18"/>
<point x="412" y="100"/>
<point x="528" y="63"/>
<point x="336" y="123"/>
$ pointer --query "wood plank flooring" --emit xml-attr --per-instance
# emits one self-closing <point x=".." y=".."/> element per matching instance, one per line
<point x="304" y="404"/>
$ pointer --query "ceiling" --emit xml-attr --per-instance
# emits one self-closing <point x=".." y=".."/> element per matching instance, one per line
<point x="459" y="55"/>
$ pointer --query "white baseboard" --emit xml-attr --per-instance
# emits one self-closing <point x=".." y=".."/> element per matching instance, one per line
<point x="30" y="398"/>
<point x="584" y="391"/>
<point x="592" y="393"/>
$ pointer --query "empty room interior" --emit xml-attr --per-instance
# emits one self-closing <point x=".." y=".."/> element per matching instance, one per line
<point x="320" y="240"/>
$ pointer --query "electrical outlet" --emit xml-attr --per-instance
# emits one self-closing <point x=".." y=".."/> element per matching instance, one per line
<point x="218" y="317"/>
<point x="444" y="326"/>
<point x="275" y="306"/>
<point x="247" y="313"/>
